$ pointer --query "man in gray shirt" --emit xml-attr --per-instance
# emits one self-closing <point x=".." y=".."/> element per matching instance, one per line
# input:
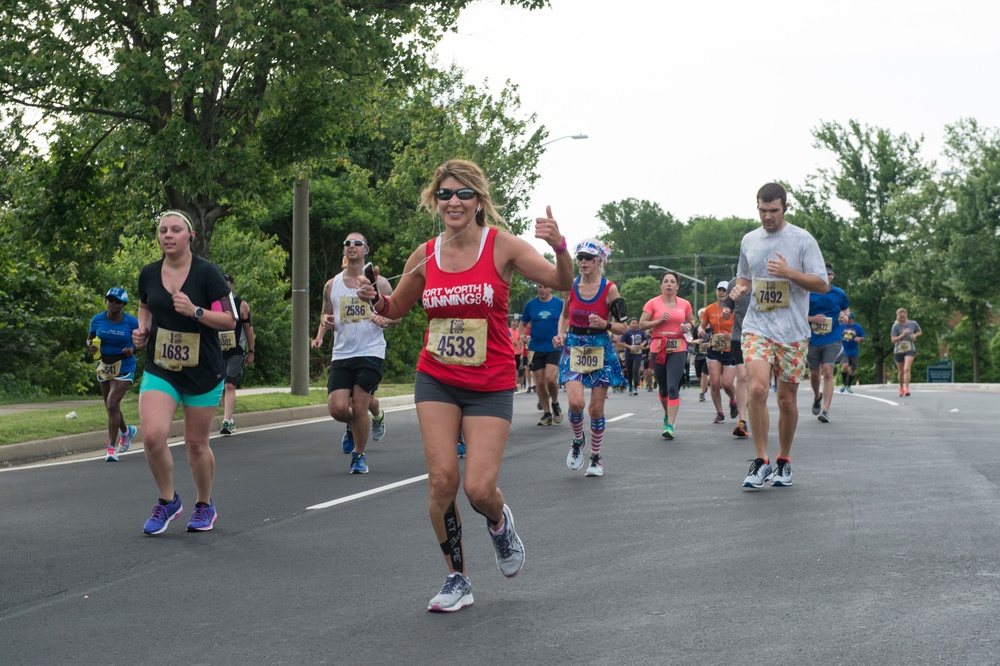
<point x="779" y="265"/>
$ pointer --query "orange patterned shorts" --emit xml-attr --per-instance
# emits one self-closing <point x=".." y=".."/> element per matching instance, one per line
<point x="787" y="358"/>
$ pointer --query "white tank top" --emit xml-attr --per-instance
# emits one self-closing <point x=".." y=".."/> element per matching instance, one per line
<point x="354" y="333"/>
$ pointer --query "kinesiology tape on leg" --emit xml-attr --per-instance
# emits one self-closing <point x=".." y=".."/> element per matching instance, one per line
<point x="489" y="520"/>
<point x="452" y="547"/>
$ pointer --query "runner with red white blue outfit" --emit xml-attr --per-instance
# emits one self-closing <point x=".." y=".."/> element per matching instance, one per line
<point x="590" y="314"/>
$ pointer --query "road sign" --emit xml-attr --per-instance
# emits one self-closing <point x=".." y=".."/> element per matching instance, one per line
<point x="941" y="372"/>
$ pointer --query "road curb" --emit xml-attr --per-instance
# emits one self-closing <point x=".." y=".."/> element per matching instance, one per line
<point x="87" y="442"/>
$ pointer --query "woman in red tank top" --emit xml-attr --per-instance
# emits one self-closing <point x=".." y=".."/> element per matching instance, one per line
<point x="465" y="374"/>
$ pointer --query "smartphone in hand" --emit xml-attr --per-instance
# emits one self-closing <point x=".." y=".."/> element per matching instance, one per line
<point x="370" y="274"/>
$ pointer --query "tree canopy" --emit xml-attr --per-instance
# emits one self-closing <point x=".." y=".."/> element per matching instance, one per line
<point x="212" y="99"/>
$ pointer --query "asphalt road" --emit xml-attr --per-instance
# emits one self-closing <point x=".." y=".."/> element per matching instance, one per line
<point x="885" y="551"/>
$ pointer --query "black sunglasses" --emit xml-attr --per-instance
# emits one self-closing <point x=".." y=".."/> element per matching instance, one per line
<point x="464" y="194"/>
<point x="355" y="243"/>
<point x="586" y="257"/>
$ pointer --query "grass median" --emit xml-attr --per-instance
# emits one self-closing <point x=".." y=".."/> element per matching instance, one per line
<point x="48" y="423"/>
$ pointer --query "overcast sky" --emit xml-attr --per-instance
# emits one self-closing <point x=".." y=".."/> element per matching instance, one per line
<point x="696" y="105"/>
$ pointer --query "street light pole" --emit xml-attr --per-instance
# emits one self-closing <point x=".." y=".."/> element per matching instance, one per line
<point x="693" y="279"/>
<point x="568" y="136"/>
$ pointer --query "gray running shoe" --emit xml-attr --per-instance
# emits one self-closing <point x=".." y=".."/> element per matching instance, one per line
<point x="378" y="426"/>
<point x="824" y="417"/>
<point x="455" y="595"/>
<point x="546" y="419"/>
<point x="557" y="415"/>
<point x="760" y="472"/>
<point x="783" y="476"/>
<point x="510" y="550"/>
<point x="817" y="406"/>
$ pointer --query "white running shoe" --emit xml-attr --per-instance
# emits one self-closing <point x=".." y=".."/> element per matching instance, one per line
<point x="574" y="459"/>
<point x="455" y="594"/>
<point x="760" y="472"/>
<point x="596" y="466"/>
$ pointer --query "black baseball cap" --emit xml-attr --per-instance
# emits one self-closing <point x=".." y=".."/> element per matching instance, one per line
<point x="229" y="278"/>
<point x="829" y="268"/>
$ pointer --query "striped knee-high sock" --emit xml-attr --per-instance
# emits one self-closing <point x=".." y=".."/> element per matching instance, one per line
<point x="596" y="435"/>
<point x="576" y="423"/>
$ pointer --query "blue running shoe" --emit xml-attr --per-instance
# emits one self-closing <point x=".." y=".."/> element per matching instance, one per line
<point x="358" y="464"/>
<point x="461" y="449"/>
<point x="125" y="440"/>
<point x="163" y="513"/>
<point x="203" y="517"/>
<point x="348" y="442"/>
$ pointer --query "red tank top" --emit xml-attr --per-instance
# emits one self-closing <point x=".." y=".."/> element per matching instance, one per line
<point x="467" y="343"/>
<point x="580" y="310"/>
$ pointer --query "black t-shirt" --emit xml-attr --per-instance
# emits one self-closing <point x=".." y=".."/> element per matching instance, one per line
<point x="204" y="285"/>
<point x="241" y="336"/>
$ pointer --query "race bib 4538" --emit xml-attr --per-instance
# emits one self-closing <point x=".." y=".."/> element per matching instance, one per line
<point x="457" y="341"/>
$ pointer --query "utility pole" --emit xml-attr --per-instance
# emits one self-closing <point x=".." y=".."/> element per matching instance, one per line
<point x="300" y="287"/>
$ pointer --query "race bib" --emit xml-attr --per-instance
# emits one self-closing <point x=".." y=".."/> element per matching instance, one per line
<point x="720" y="342"/>
<point x="106" y="371"/>
<point x="823" y="327"/>
<point x="353" y="310"/>
<point x="904" y="346"/>
<point x="848" y="335"/>
<point x="457" y="341"/>
<point x="174" y="351"/>
<point x="672" y="344"/>
<point x="703" y="347"/>
<point x="227" y="340"/>
<point x="771" y="295"/>
<point x="586" y="359"/>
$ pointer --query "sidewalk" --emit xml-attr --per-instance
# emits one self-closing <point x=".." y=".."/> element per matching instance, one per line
<point x="93" y="442"/>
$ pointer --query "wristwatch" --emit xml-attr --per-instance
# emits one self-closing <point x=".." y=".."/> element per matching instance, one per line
<point x="199" y="312"/>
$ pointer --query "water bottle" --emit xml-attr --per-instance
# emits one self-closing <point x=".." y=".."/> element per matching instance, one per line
<point x="97" y="343"/>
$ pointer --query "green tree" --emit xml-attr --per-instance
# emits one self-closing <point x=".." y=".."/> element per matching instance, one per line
<point x="874" y="169"/>
<point x="214" y="99"/>
<point x="374" y="187"/>
<point x="637" y="291"/>
<point x="969" y="230"/>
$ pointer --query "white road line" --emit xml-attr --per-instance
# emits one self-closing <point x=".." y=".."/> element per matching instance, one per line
<point x="871" y="397"/>
<point x="619" y="418"/>
<point x="373" y="491"/>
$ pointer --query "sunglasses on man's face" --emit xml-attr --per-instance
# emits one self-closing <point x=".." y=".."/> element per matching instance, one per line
<point x="464" y="194"/>
<point x="586" y="257"/>
<point x="355" y="243"/>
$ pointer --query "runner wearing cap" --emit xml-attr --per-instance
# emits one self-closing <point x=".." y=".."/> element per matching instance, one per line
<point x="110" y="341"/>
<point x="721" y="367"/>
